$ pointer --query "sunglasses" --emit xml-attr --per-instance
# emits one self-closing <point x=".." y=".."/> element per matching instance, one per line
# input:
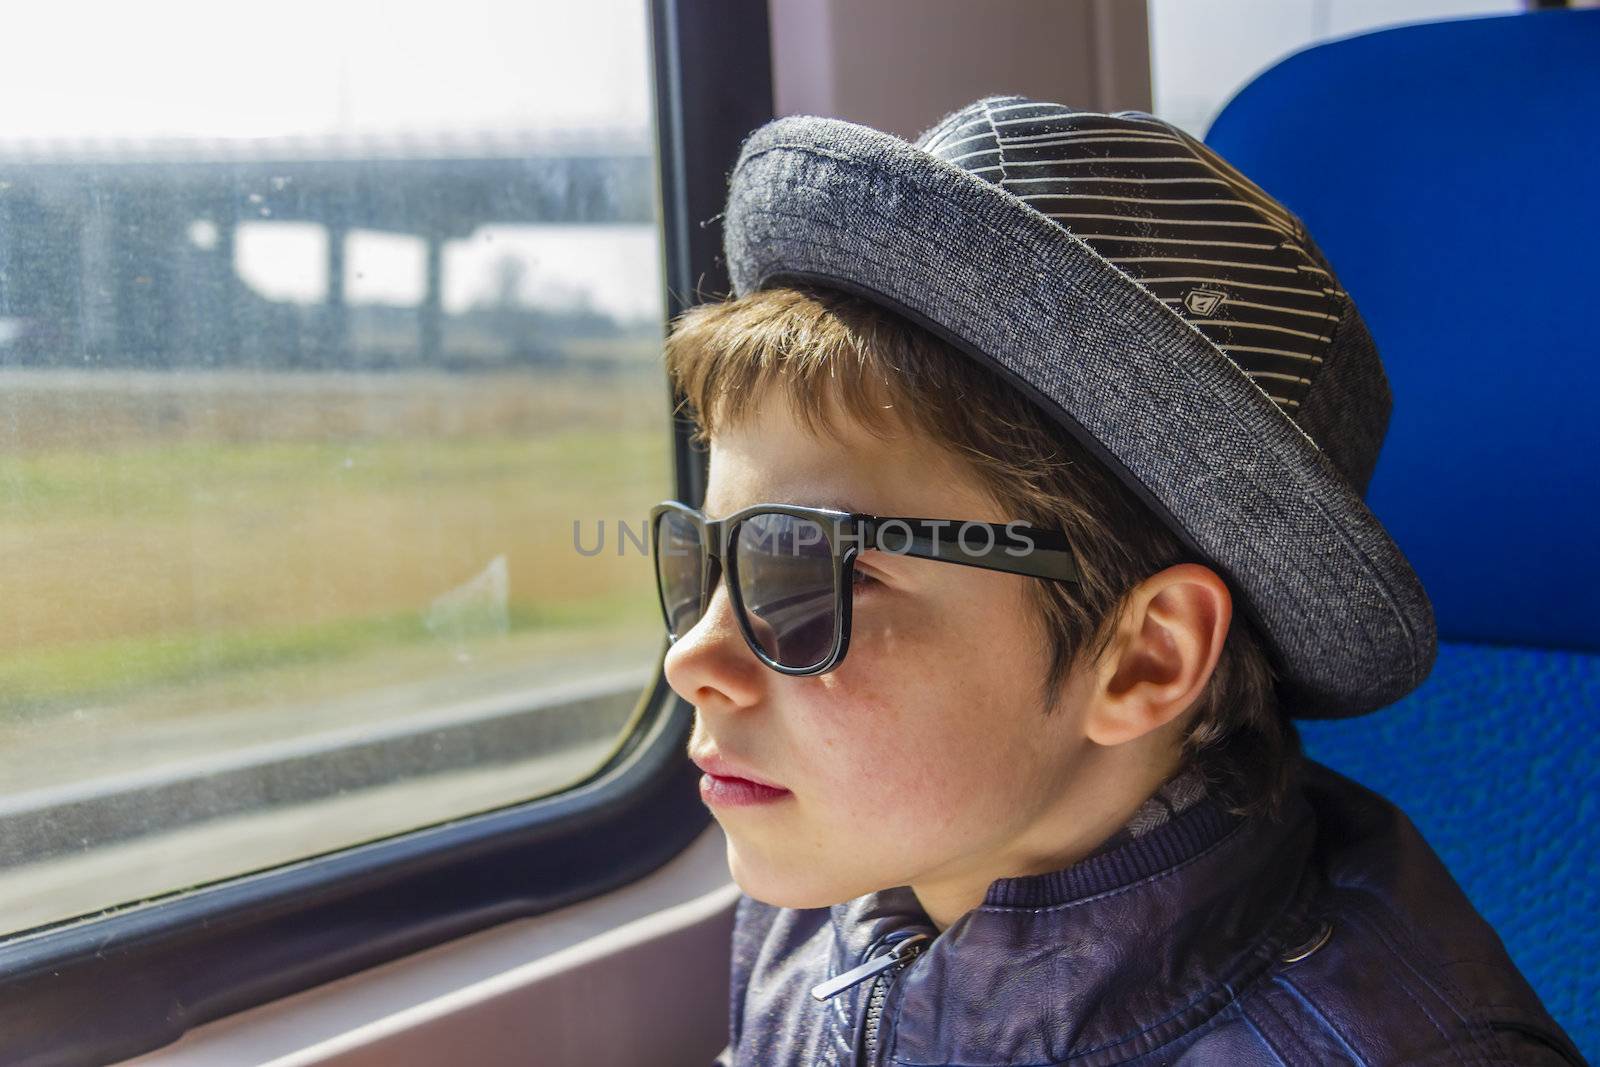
<point x="791" y="569"/>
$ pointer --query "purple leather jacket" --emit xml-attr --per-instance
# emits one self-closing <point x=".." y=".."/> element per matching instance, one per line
<point x="1333" y="936"/>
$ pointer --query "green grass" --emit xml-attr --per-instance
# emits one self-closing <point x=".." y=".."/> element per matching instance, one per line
<point x="52" y="677"/>
<point x="171" y="479"/>
<point x="274" y="524"/>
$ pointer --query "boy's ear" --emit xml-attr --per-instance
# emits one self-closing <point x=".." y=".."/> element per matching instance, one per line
<point x="1168" y="639"/>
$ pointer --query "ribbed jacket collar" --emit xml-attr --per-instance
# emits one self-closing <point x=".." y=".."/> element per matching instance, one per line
<point x="1099" y="961"/>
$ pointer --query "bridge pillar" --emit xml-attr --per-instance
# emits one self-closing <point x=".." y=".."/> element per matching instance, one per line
<point x="336" y="333"/>
<point x="8" y="255"/>
<point x="97" y="267"/>
<point x="227" y="289"/>
<point x="432" y="302"/>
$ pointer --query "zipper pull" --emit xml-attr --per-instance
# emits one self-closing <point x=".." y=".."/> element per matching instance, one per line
<point x="905" y="948"/>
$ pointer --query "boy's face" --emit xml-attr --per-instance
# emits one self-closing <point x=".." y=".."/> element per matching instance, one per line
<point x="925" y="758"/>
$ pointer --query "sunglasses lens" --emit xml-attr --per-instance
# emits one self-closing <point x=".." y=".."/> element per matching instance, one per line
<point x="786" y="581"/>
<point x="678" y="571"/>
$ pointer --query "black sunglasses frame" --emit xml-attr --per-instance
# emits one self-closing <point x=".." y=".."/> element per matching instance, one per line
<point x="1024" y="550"/>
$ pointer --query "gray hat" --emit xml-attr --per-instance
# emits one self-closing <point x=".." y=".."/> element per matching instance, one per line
<point x="1161" y="307"/>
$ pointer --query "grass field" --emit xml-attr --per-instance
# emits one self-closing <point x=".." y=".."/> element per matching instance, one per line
<point x="173" y="543"/>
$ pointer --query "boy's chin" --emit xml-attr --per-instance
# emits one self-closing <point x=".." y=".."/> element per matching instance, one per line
<point x="785" y="886"/>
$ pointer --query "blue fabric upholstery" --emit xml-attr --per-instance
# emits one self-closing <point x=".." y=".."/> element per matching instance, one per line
<point x="1450" y="172"/>
<point x="1493" y="759"/>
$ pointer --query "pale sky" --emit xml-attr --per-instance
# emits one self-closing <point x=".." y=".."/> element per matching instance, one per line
<point x="214" y="68"/>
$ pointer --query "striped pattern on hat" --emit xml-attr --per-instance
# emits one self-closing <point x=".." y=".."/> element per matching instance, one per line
<point x="1173" y="216"/>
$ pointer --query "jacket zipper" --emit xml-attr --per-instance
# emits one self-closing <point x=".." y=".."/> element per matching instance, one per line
<point x="880" y="990"/>
<point x="882" y="968"/>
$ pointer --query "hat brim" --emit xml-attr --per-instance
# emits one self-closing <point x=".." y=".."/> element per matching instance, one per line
<point x="829" y="202"/>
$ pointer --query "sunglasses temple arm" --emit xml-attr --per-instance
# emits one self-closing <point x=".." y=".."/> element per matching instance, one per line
<point x="991" y="546"/>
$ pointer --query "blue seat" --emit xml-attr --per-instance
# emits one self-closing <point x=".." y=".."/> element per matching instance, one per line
<point x="1451" y="172"/>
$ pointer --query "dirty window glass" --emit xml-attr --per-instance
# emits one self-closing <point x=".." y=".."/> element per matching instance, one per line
<point x="329" y="375"/>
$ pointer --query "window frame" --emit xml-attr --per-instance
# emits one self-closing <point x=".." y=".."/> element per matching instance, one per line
<point x="101" y="989"/>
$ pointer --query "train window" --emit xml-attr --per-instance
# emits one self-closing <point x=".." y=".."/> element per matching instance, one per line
<point x="328" y="358"/>
<point x="1201" y="54"/>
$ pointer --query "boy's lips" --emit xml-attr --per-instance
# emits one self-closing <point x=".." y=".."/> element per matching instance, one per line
<point x="718" y="767"/>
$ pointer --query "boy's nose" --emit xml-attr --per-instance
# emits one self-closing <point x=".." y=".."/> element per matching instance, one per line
<point x="710" y="665"/>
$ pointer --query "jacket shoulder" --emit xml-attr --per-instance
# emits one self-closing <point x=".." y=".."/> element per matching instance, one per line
<point x="1396" y="965"/>
<point x="1262" y="1032"/>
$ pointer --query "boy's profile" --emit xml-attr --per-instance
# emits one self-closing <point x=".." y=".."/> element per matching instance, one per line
<point x="986" y="811"/>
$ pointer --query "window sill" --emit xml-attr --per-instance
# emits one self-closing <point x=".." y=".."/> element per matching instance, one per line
<point x="502" y="994"/>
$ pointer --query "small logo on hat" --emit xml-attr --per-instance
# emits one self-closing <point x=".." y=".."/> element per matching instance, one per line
<point x="1203" y="301"/>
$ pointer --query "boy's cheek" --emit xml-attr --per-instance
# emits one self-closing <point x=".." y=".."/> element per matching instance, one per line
<point x="883" y="740"/>
<point x="857" y="714"/>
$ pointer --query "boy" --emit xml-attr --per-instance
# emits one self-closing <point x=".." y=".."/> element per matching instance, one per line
<point x="1049" y="805"/>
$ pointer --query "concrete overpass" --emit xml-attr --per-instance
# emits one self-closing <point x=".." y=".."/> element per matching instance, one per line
<point x="96" y="260"/>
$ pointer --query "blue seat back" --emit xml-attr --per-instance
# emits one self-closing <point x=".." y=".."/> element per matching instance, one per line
<point x="1451" y="173"/>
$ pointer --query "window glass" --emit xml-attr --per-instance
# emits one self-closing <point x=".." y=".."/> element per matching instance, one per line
<point x="1201" y="54"/>
<point x="329" y="378"/>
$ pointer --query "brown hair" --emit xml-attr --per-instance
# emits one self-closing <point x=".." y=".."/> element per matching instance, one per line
<point x="824" y="346"/>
